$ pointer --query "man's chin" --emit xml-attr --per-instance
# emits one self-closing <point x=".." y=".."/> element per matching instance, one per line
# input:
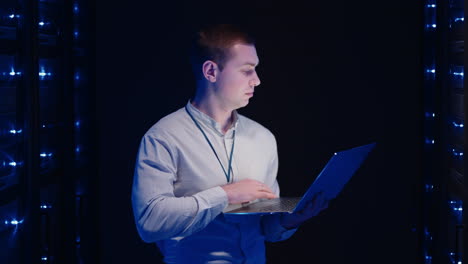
<point x="243" y="104"/>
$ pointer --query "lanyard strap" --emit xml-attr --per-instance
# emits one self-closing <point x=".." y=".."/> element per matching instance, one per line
<point x="228" y="173"/>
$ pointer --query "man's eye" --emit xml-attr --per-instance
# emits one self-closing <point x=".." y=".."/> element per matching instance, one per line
<point x="249" y="72"/>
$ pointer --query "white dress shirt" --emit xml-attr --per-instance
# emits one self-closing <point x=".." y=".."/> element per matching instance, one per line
<point x="177" y="199"/>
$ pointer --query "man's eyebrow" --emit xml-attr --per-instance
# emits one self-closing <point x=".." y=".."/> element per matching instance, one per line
<point x="250" y="64"/>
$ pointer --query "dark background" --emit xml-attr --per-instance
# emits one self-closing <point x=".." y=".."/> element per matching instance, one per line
<point x="335" y="74"/>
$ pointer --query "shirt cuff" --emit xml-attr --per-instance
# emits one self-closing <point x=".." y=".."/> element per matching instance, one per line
<point x="213" y="198"/>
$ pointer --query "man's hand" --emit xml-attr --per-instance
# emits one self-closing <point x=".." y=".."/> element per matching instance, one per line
<point x="313" y="208"/>
<point x="247" y="190"/>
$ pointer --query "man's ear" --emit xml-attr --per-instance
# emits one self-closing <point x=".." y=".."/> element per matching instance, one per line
<point x="210" y="70"/>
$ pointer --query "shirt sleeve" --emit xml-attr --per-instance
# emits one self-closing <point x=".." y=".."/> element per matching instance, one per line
<point x="158" y="213"/>
<point x="271" y="225"/>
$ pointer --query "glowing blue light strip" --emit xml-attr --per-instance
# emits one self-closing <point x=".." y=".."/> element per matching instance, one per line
<point x="456" y="205"/>
<point x="41" y="23"/>
<point x="460" y="125"/>
<point x="431" y="6"/>
<point x="13" y="73"/>
<point x="13" y="131"/>
<point x="13" y="164"/>
<point x="43" y="155"/>
<point x="431" y="71"/>
<point x="13" y="222"/>
<point x="458" y="74"/>
<point x="46" y="206"/>
<point x="13" y="16"/>
<point x="457" y="19"/>
<point x="43" y="73"/>
<point x="457" y="153"/>
<point x="431" y="25"/>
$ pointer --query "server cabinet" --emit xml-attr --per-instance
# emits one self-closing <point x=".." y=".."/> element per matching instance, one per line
<point x="46" y="131"/>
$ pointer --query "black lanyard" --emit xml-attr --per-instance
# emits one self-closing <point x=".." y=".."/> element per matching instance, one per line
<point x="228" y="173"/>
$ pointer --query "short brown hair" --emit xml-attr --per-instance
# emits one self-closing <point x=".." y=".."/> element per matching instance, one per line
<point x="214" y="42"/>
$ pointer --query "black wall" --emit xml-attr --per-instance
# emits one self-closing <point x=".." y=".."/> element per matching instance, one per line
<point x="335" y="74"/>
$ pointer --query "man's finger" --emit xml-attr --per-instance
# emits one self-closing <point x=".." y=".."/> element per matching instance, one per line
<point x="267" y="195"/>
<point x="265" y="189"/>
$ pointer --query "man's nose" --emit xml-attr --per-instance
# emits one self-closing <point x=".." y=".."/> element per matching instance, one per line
<point x="255" y="81"/>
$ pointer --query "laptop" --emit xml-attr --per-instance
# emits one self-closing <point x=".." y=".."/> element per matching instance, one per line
<point x="331" y="180"/>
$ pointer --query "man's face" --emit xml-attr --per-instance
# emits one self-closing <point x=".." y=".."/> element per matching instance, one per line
<point x="236" y="82"/>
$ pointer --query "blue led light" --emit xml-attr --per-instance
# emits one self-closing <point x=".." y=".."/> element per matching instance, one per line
<point x="13" y="222"/>
<point x="45" y="206"/>
<point x="459" y="19"/>
<point x="43" y="73"/>
<point x="429" y="114"/>
<point x="429" y="141"/>
<point x="429" y="187"/>
<point x="13" y="164"/>
<point x="431" y="25"/>
<point x="12" y="16"/>
<point x="77" y="76"/>
<point x="430" y="70"/>
<point x="13" y="131"/>
<point x="457" y="153"/>
<point x="12" y="73"/>
<point x="44" y="258"/>
<point x="461" y="125"/>
<point x="428" y="259"/>
<point x="431" y="6"/>
<point x="41" y="23"/>
<point x="76" y="34"/>
<point x="77" y="123"/>
<point x="46" y="154"/>
<point x="458" y="74"/>
<point x="457" y="206"/>
<point x="77" y="149"/>
<point x="76" y="8"/>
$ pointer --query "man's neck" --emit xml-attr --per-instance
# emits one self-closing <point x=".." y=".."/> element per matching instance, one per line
<point x="214" y="110"/>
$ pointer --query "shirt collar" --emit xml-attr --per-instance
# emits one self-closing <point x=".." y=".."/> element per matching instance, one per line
<point x="210" y="122"/>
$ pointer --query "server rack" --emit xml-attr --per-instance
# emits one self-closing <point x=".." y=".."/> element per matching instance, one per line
<point x="443" y="230"/>
<point x="46" y="132"/>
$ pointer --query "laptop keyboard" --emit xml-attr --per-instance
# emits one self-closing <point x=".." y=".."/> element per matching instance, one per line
<point x="279" y="205"/>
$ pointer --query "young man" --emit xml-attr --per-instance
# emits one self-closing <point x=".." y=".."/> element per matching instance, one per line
<point x="198" y="160"/>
